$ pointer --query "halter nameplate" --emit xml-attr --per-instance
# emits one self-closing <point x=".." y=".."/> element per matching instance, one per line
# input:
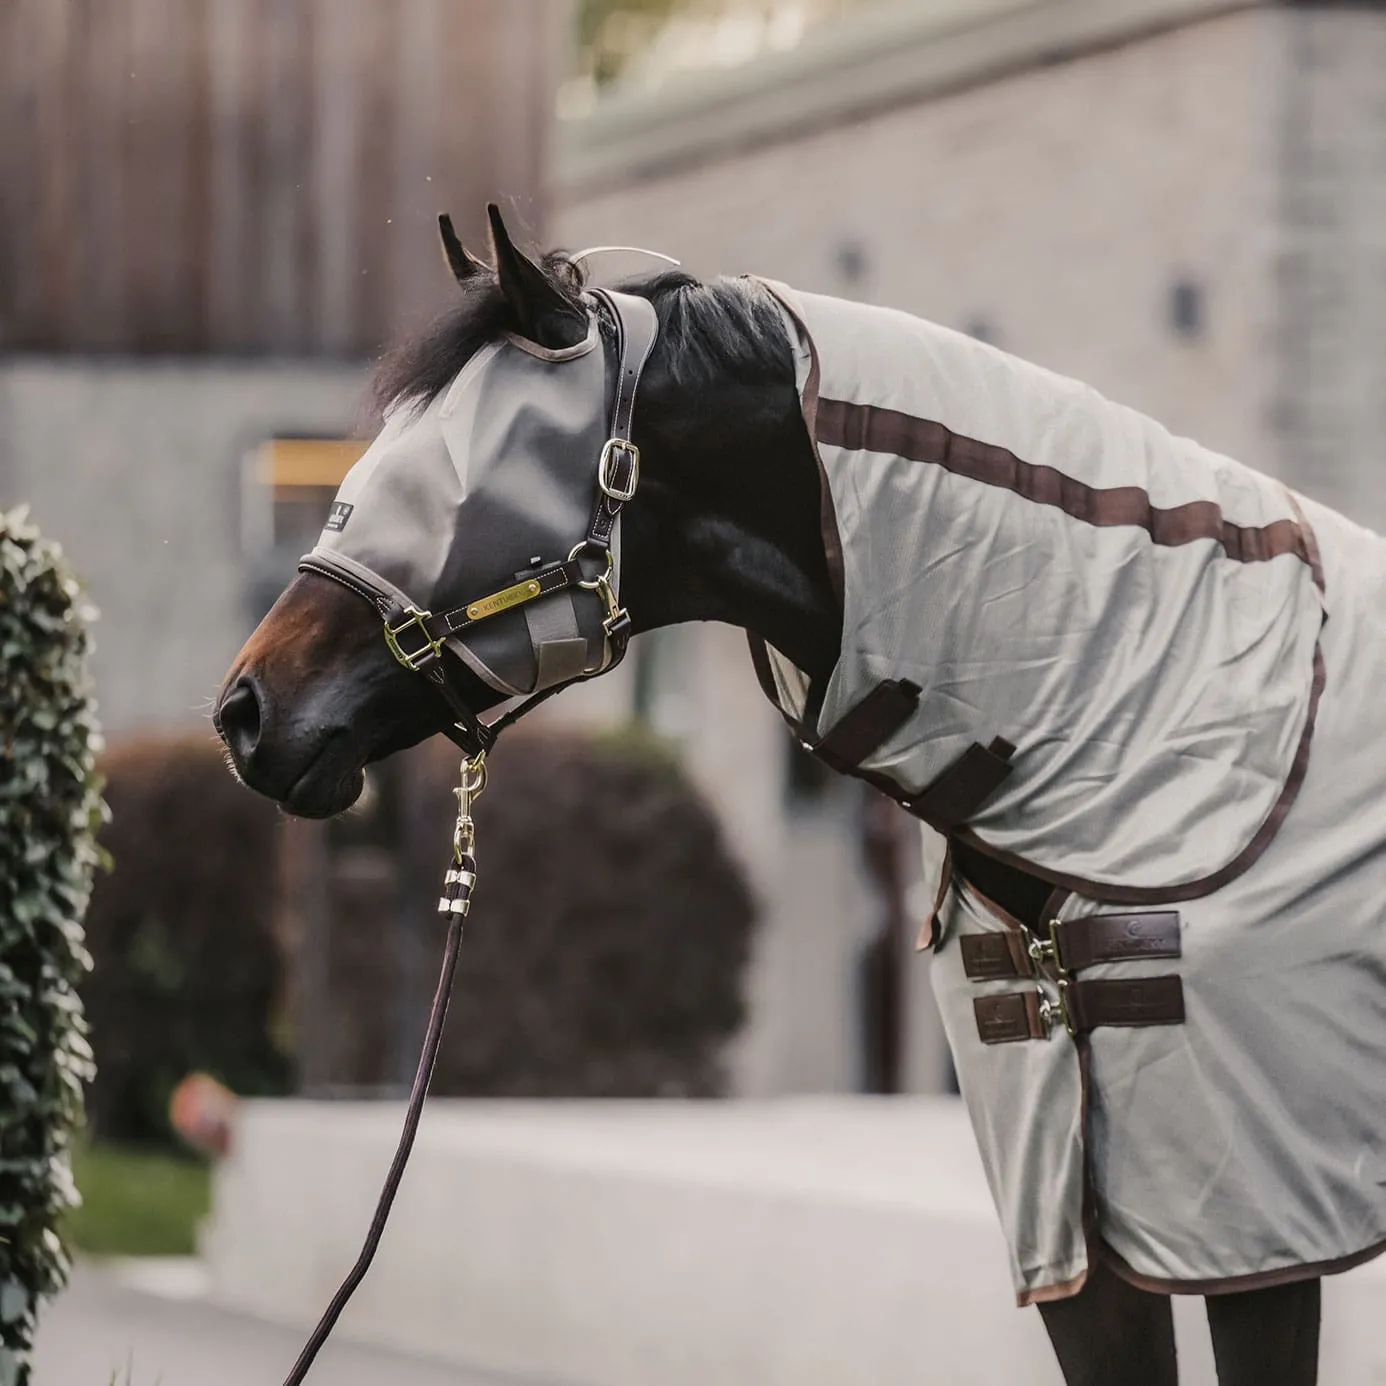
<point x="503" y="600"/>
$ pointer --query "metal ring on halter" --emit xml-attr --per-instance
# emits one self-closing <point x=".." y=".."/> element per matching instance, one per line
<point x="594" y="583"/>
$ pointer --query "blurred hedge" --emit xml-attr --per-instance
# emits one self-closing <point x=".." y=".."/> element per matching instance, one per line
<point x="187" y="971"/>
<point x="49" y="810"/>
<point x="606" y="948"/>
<point x="604" y="956"/>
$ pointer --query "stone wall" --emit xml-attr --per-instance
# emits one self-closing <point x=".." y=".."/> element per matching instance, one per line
<point x="1052" y="210"/>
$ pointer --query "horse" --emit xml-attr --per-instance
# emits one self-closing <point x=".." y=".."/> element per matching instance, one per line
<point x="731" y="451"/>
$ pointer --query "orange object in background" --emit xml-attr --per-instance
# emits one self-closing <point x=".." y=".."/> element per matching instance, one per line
<point x="203" y="1111"/>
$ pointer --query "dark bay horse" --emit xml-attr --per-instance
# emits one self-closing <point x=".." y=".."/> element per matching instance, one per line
<point x="726" y="525"/>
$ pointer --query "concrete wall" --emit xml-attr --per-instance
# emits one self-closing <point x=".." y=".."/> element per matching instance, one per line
<point x="824" y="1242"/>
<point x="1331" y="342"/>
<point x="135" y="469"/>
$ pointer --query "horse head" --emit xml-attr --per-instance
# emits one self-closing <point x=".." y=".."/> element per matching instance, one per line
<point x="557" y="468"/>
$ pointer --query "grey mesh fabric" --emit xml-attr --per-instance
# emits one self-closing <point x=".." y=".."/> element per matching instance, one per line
<point x="1162" y="697"/>
<point x="454" y="501"/>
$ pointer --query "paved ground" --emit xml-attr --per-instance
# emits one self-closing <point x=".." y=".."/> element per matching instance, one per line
<point x="104" y="1324"/>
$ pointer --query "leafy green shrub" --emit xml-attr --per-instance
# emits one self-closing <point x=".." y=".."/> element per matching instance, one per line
<point x="187" y="970"/>
<point x="50" y="808"/>
<point x="606" y="948"/>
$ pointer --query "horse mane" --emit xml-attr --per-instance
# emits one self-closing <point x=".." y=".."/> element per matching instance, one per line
<point x="710" y="330"/>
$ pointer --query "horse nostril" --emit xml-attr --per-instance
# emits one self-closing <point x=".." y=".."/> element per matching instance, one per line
<point x="238" y="720"/>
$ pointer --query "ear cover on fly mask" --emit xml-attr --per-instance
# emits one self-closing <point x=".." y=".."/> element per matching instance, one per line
<point x="469" y="494"/>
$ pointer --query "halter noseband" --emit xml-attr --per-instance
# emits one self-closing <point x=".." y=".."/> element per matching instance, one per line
<point x="417" y="638"/>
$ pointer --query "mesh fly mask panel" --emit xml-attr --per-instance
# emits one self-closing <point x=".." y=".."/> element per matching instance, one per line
<point x="474" y="522"/>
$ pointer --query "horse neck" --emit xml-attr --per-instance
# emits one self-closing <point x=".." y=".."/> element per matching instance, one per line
<point x="726" y="527"/>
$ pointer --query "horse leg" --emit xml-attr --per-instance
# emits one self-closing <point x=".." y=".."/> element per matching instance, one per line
<point x="1112" y="1334"/>
<point x="1267" y="1337"/>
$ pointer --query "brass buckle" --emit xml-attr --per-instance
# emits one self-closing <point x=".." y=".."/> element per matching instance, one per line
<point x="623" y="494"/>
<point x="1052" y="1011"/>
<point x="413" y="660"/>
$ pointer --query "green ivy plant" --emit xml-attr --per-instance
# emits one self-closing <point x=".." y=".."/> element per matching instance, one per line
<point x="50" y="809"/>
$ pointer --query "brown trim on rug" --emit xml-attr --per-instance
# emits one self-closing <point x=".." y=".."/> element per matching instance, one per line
<point x="1311" y="542"/>
<point x="1233" y="1284"/>
<point x="810" y="405"/>
<point x="1047" y="1294"/>
<point x="871" y="428"/>
<point x="927" y="937"/>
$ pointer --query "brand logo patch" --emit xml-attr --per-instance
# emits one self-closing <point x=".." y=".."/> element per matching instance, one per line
<point x="338" y="516"/>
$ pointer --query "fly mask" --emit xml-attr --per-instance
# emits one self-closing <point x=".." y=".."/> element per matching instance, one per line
<point x="474" y="526"/>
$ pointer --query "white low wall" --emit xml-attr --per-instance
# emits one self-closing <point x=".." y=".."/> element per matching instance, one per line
<point x="803" y="1242"/>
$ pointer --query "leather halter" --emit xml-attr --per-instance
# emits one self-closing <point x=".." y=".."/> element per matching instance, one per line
<point x="417" y="638"/>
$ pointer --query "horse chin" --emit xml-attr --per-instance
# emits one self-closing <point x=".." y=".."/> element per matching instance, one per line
<point x="331" y="784"/>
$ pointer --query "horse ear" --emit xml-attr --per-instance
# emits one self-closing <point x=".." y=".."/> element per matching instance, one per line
<point x="464" y="265"/>
<point x="541" y="311"/>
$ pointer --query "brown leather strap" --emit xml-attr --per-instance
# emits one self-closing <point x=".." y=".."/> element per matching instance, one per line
<point x="1127" y="937"/>
<point x="1095" y="938"/>
<point x="996" y="956"/>
<point x="1010" y="1016"/>
<point x="1125" y="1001"/>
<point x="954" y="796"/>
<point x="1085" y="1006"/>
<point x="637" y="326"/>
<point x="868" y="724"/>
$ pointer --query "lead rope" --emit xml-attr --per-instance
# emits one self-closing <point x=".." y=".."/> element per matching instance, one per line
<point x="456" y="899"/>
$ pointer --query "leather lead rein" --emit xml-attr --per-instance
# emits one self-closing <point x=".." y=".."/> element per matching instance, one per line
<point x="456" y="901"/>
<point x="416" y="639"/>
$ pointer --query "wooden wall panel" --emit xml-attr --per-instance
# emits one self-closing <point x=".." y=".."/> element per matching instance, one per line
<point x="239" y="176"/>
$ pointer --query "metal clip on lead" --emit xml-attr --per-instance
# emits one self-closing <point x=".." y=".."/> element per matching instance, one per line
<point x="461" y="876"/>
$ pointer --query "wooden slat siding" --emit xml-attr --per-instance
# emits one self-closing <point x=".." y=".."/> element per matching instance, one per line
<point x="332" y="178"/>
<point x="377" y="65"/>
<point x="268" y="177"/>
<point x="145" y="168"/>
<point x="286" y="153"/>
<point x="167" y="144"/>
<point x="101" y="233"/>
<point x="415" y="283"/>
<point x="43" y="301"/>
<point x="12" y="174"/>
<point x="193" y="290"/>
<point x="227" y="264"/>
<point x="466" y="139"/>
<point x="306" y="228"/>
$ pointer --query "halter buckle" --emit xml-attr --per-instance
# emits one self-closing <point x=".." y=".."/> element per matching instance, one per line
<point x="419" y="659"/>
<point x="605" y="466"/>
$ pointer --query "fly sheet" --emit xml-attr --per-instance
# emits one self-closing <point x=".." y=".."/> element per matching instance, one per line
<point x="1144" y="622"/>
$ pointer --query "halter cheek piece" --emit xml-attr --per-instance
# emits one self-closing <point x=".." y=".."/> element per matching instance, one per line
<point x="417" y="638"/>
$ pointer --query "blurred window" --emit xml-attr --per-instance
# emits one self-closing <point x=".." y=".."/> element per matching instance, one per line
<point x="1186" y="308"/>
<point x="287" y="486"/>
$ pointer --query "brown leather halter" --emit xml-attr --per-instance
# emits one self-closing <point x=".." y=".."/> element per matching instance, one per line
<point x="416" y="638"/>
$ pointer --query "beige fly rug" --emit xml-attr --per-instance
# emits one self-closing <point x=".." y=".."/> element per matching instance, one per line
<point x="1156" y="679"/>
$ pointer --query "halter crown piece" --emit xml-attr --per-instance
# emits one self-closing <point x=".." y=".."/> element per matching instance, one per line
<point x="498" y="447"/>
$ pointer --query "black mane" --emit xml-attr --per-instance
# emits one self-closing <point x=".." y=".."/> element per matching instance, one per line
<point x="727" y="326"/>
